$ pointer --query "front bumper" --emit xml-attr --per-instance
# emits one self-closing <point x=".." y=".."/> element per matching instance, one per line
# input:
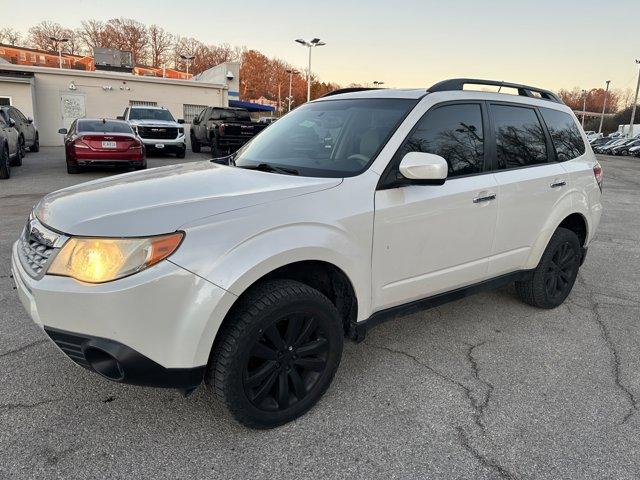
<point x="173" y="145"/>
<point x="159" y="324"/>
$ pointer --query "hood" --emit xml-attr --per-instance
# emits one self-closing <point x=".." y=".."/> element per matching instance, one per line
<point x="161" y="200"/>
<point x="155" y="123"/>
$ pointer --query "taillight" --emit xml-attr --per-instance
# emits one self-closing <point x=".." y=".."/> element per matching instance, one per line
<point x="597" y="172"/>
<point x="136" y="145"/>
<point x="79" y="143"/>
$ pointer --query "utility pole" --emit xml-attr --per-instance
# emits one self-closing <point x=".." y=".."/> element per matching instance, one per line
<point x="584" y="105"/>
<point x="635" y="102"/>
<point x="604" y="106"/>
<point x="187" y="59"/>
<point x="291" y="74"/>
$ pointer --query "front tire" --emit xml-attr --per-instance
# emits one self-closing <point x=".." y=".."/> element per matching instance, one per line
<point x="20" y="153"/>
<point x="277" y="353"/>
<point x="552" y="280"/>
<point x="5" y="164"/>
<point x="182" y="153"/>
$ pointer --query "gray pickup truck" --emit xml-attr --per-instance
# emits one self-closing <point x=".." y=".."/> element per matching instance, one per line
<point x="225" y="130"/>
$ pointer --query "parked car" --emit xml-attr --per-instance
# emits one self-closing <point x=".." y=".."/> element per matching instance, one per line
<point x="224" y="130"/>
<point x="157" y="129"/>
<point x="346" y="212"/>
<point x="635" y="151"/>
<point x="608" y="147"/>
<point x="267" y="120"/>
<point x="623" y="149"/>
<point x="10" y="148"/>
<point x="597" y="142"/>
<point x="27" y="131"/>
<point x="100" y="142"/>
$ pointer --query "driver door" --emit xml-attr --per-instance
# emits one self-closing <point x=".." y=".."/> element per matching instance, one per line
<point x="430" y="239"/>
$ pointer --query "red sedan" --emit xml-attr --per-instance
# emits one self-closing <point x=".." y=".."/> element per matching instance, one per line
<point x="94" y="142"/>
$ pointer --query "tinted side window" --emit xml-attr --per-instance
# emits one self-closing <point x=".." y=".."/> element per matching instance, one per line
<point x="17" y="115"/>
<point x="564" y="133"/>
<point x="520" y="139"/>
<point x="455" y="133"/>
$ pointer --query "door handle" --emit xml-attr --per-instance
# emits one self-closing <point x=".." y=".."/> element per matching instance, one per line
<point x="486" y="198"/>
<point x="559" y="183"/>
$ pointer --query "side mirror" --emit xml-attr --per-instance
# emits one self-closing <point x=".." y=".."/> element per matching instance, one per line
<point x="12" y="122"/>
<point x="195" y="121"/>
<point x="424" y="168"/>
<point x="63" y="131"/>
<point x="181" y="120"/>
<point x="29" y="120"/>
<point x="120" y="117"/>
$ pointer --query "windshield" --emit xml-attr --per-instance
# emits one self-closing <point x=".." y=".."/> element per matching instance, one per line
<point x="240" y="115"/>
<point x="105" y="127"/>
<point x="333" y="138"/>
<point x="151" y="114"/>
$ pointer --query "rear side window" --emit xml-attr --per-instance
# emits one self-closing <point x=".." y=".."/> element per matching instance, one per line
<point x="564" y="133"/>
<point x="455" y="133"/>
<point x="520" y="139"/>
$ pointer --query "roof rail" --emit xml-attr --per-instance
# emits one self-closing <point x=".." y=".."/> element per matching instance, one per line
<point x="349" y="90"/>
<point x="523" y="90"/>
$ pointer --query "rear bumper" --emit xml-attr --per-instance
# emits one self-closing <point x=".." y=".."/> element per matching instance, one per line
<point x="120" y="363"/>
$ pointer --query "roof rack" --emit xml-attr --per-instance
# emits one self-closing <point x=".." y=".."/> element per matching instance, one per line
<point x="349" y="90"/>
<point x="523" y="90"/>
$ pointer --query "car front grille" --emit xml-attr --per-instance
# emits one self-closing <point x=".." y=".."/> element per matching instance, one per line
<point x="70" y="344"/>
<point x="158" y="133"/>
<point x="37" y="246"/>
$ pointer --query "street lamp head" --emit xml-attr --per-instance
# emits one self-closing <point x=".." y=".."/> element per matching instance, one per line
<point x="187" y="57"/>
<point x="315" y="40"/>
<point x="302" y="42"/>
<point x="319" y="44"/>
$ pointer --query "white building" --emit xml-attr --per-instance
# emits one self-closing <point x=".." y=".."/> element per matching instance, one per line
<point x="55" y="97"/>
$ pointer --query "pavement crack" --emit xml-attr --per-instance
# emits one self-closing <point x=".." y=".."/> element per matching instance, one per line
<point x="23" y="348"/>
<point x="7" y="407"/>
<point x="483" y="459"/>
<point x="616" y="367"/>
<point x="479" y="404"/>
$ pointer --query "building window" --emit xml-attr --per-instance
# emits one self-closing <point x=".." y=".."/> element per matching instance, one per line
<point x="23" y="57"/>
<point x="1" y="51"/>
<point x="142" y="103"/>
<point x="43" y="59"/>
<point x="189" y="112"/>
<point x="5" y="101"/>
<point x="34" y="59"/>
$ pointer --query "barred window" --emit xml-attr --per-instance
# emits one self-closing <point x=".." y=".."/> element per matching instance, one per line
<point x="189" y="112"/>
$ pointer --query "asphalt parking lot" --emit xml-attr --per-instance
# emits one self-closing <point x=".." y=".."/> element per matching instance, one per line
<point x="482" y="388"/>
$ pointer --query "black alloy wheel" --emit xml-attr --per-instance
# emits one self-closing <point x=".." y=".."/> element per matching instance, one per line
<point x="561" y="271"/>
<point x="285" y="363"/>
<point x="276" y="353"/>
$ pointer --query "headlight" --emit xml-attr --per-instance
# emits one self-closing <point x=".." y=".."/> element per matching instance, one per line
<point x="98" y="260"/>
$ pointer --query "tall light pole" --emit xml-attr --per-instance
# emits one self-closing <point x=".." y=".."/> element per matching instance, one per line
<point x="377" y="83"/>
<point x="635" y="102"/>
<point x="584" y="105"/>
<point x="59" y="42"/>
<point x="291" y="73"/>
<point x="604" y="106"/>
<point x="313" y="43"/>
<point x="187" y="59"/>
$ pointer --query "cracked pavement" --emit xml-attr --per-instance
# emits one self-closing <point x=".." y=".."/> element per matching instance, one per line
<point x="481" y="388"/>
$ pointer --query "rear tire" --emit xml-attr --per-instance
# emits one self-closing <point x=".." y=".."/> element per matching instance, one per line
<point x="277" y="353"/>
<point x="552" y="280"/>
<point x="73" y="169"/>
<point x="36" y="144"/>
<point x="5" y="164"/>
<point x="195" y="145"/>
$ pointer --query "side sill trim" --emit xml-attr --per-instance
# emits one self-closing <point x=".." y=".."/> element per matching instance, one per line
<point x="359" y="330"/>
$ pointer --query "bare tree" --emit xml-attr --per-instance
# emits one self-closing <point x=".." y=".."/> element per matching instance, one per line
<point x="92" y="34"/>
<point x="160" y="43"/>
<point x="10" y="36"/>
<point x="40" y="37"/>
<point x="128" y="35"/>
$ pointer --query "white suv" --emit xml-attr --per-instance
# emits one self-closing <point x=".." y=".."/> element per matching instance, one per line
<point x="157" y="129"/>
<point x="344" y="213"/>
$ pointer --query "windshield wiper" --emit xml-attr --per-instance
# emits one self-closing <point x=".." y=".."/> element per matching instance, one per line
<point x="267" y="167"/>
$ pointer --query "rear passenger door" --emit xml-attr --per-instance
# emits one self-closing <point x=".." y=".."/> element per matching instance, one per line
<point x="529" y="180"/>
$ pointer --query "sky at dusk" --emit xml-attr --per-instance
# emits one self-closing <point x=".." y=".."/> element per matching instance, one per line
<point x="405" y="43"/>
